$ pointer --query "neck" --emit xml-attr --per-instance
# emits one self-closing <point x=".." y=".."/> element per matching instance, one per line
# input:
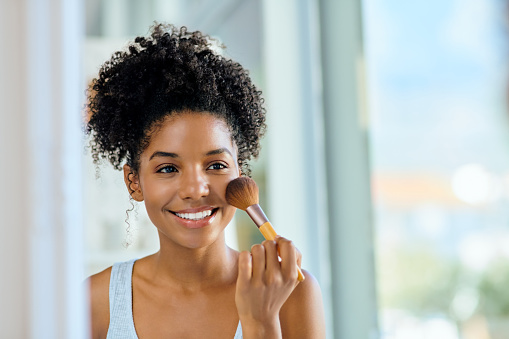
<point x="199" y="268"/>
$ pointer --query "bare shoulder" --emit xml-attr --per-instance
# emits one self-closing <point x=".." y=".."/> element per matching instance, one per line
<point x="302" y="315"/>
<point x="99" y="285"/>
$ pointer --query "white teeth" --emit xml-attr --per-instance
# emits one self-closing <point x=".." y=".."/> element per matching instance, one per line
<point x="195" y="216"/>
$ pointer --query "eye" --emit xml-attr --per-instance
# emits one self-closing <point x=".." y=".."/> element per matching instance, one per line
<point x="167" y="169"/>
<point x="217" y="166"/>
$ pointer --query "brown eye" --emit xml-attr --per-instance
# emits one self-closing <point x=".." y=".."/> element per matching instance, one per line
<point x="217" y="166"/>
<point x="167" y="169"/>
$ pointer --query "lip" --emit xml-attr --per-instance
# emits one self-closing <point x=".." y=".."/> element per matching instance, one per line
<point x="194" y="224"/>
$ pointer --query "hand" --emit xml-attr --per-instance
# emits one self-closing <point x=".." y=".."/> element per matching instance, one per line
<point x="264" y="284"/>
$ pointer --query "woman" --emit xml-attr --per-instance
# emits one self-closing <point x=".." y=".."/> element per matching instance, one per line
<point x="182" y="122"/>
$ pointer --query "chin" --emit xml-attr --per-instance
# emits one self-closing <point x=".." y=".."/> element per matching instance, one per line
<point x="193" y="240"/>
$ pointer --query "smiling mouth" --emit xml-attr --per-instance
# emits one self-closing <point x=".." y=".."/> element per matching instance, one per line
<point x="196" y="216"/>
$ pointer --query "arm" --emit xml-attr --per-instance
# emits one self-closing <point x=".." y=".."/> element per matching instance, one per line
<point x="99" y="303"/>
<point x="302" y="315"/>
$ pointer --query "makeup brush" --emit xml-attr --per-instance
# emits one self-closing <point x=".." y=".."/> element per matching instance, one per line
<point x="242" y="193"/>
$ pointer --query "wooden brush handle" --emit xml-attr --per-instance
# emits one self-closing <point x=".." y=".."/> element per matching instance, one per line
<point x="270" y="234"/>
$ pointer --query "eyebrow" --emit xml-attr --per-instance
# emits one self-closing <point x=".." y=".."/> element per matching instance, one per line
<point x="175" y="155"/>
<point x="163" y="154"/>
<point x="219" y="151"/>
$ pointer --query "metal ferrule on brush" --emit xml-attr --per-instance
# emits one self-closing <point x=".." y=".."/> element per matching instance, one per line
<point x="256" y="213"/>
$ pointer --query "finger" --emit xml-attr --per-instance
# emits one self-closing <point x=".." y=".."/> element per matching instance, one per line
<point x="258" y="254"/>
<point x="299" y="257"/>
<point x="288" y="258"/>
<point x="271" y="257"/>
<point x="245" y="267"/>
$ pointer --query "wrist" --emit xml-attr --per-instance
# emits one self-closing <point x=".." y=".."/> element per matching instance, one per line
<point x="256" y="328"/>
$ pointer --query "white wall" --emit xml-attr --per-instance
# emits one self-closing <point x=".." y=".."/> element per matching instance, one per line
<point x="40" y="147"/>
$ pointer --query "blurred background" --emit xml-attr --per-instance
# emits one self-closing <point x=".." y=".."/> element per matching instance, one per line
<point x="386" y="158"/>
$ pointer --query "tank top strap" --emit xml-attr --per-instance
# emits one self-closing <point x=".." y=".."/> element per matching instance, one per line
<point x="238" y="333"/>
<point x="120" y="297"/>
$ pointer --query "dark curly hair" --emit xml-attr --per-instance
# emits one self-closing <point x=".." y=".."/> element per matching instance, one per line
<point x="169" y="72"/>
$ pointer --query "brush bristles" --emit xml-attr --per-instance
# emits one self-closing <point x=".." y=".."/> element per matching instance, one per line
<point x="242" y="192"/>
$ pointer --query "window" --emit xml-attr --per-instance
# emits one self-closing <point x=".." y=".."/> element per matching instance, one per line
<point x="440" y="166"/>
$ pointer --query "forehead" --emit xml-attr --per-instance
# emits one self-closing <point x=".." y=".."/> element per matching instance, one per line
<point x="191" y="132"/>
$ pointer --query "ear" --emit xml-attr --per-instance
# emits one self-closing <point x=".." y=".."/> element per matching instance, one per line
<point x="132" y="183"/>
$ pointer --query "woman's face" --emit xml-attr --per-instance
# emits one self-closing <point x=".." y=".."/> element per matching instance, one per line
<point x="183" y="176"/>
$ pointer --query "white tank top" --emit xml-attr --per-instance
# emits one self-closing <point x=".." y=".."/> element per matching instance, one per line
<point x="121" y="304"/>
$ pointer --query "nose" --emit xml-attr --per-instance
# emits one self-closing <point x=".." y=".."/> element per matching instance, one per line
<point x="194" y="185"/>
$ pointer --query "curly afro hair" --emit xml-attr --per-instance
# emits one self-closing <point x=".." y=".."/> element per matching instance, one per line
<point x="169" y="72"/>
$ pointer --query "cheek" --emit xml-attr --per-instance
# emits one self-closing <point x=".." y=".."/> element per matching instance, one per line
<point x="228" y="213"/>
<point x="220" y="188"/>
<point x="156" y="193"/>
